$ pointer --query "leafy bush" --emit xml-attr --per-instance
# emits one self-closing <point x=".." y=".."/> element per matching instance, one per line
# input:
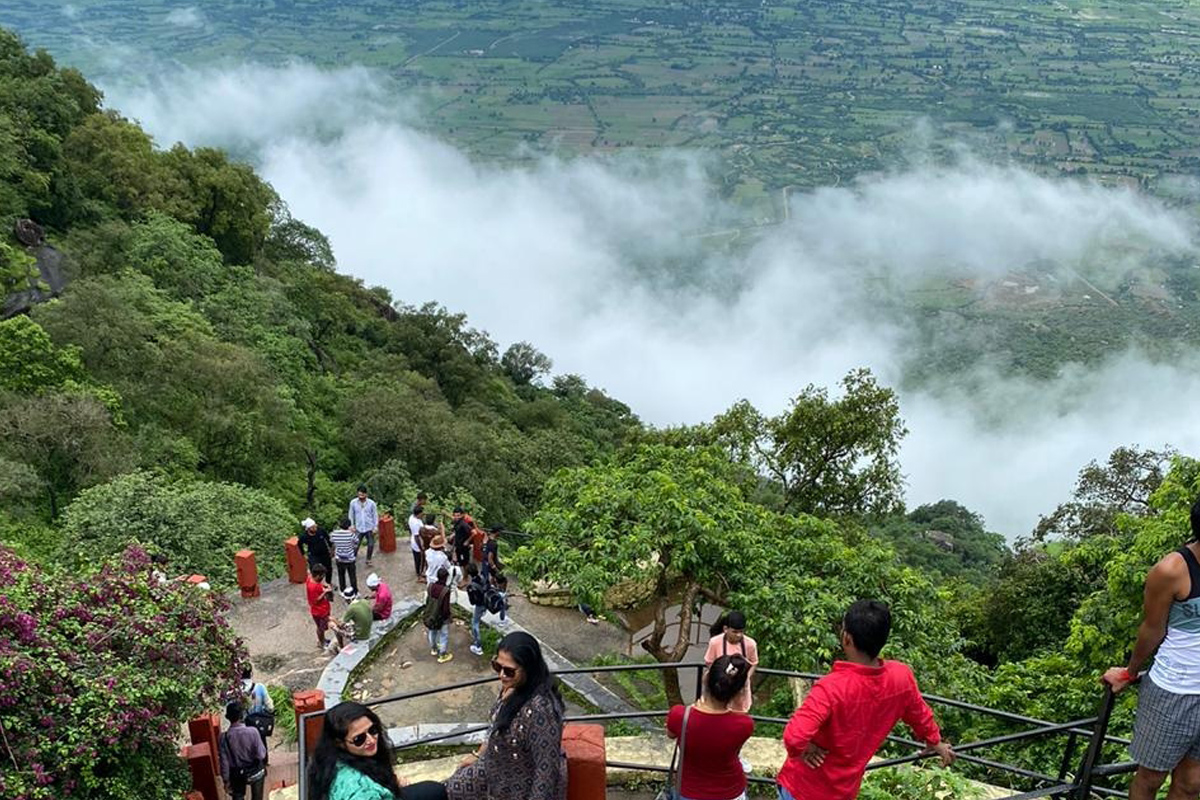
<point x="199" y="526"/>
<point x="915" y="783"/>
<point x="98" y="671"/>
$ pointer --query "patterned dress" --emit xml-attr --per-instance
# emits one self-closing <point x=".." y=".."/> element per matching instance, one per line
<point x="527" y="762"/>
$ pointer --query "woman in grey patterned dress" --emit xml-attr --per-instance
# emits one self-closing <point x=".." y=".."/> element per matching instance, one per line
<point x="522" y="758"/>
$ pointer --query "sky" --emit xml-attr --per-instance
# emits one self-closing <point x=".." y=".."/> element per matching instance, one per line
<point x="600" y="265"/>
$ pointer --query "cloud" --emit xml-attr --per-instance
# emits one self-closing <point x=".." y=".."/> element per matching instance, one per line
<point x="602" y="265"/>
<point x="189" y="17"/>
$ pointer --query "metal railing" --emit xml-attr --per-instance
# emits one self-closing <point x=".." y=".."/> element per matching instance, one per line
<point x="1077" y="786"/>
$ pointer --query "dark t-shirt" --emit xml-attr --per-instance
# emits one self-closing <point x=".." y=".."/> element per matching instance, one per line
<point x="491" y="552"/>
<point x="462" y="533"/>
<point x="711" y="770"/>
<point x="315" y="544"/>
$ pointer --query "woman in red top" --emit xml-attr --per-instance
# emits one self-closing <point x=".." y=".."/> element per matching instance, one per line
<point x="708" y="762"/>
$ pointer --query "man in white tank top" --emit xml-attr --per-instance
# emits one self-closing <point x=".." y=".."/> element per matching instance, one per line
<point x="1166" y="730"/>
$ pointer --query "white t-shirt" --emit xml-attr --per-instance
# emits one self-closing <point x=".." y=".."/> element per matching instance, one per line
<point x="435" y="559"/>
<point x="414" y="527"/>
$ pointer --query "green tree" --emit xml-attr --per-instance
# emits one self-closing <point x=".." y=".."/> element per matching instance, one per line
<point x="525" y="364"/>
<point x="29" y="361"/>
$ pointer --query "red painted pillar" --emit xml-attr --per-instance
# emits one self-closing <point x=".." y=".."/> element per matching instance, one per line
<point x="247" y="573"/>
<point x="206" y="729"/>
<point x="586" y="757"/>
<point x="297" y="567"/>
<point x="387" y="534"/>
<point x="304" y="703"/>
<point x="204" y="778"/>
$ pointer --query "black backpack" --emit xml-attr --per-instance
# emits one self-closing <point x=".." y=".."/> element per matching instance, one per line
<point x="493" y="601"/>
<point x="431" y="616"/>
<point x="475" y="592"/>
<point x="262" y="721"/>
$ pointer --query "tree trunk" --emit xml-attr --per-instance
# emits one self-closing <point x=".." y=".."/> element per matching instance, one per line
<point x="310" y="492"/>
<point x="653" y="644"/>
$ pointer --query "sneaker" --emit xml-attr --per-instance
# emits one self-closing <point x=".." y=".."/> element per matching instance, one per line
<point x="476" y="649"/>
<point x="444" y="657"/>
<point x="433" y="651"/>
<point x="745" y="765"/>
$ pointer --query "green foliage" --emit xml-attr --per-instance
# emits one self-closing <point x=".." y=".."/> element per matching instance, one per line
<point x="916" y="783"/>
<point x="29" y="361"/>
<point x="285" y="713"/>
<point x="524" y="363"/>
<point x="98" y="670"/>
<point x="945" y="539"/>
<point x="198" y="525"/>
<point x="18" y="270"/>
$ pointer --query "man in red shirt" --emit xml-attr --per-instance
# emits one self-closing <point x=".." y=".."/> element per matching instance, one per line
<point x="319" y="592"/>
<point x="850" y="712"/>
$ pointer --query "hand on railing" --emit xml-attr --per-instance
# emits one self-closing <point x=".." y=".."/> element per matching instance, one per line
<point x="1118" y="678"/>
<point x="945" y="752"/>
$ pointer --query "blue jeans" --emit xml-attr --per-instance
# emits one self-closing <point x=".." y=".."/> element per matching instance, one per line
<point x="784" y="794"/>
<point x="439" y="638"/>
<point x="370" y="537"/>
<point x="477" y="613"/>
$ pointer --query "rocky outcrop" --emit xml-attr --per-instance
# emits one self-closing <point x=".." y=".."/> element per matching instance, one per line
<point x="52" y="274"/>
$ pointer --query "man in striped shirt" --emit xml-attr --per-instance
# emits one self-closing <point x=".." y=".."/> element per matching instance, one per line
<point x="345" y="549"/>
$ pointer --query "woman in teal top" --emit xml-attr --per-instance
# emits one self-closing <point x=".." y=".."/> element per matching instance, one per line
<point x="352" y="763"/>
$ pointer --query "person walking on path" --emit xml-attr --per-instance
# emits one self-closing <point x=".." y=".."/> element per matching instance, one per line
<point x="319" y="593"/>
<point x="379" y="591"/>
<point x="345" y="552"/>
<point x="364" y="520"/>
<point x="436" y="616"/>
<point x="477" y="596"/>
<point x="242" y="756"/>
<point x="850" y="711"/>
<point x="358" y="614"/>
<point x="315" y="545"/>
<point x="522" y="757"/>
<point x="417" y="544"/>
<point x="260" y="708"/>
<point x="491" y="554"/>
<point x="1166" y="726"/>
<point x="709" y="766"/>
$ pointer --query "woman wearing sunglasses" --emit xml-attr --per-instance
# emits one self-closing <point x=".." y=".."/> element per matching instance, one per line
<point x="522" y="758"/>
<point x="353" y="761"/>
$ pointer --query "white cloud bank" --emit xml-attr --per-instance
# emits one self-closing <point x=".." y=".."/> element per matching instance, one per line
<point x="599" y="266"/>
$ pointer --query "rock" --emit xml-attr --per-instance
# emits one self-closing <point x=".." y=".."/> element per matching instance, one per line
<point x="406" y="665"/>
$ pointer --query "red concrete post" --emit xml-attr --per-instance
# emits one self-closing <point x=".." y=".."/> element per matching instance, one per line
<point x="297" y="566"/>
<point x="387" y="534"/>
<point x="204" y="778"/>
<point x="587" y="777"/>
<point x="206" y="729"/>
<point x="247" y="572"/>
<point x="304" y="703"/>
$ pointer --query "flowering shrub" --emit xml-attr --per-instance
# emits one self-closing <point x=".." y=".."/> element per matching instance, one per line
<point x="97" y="673"/>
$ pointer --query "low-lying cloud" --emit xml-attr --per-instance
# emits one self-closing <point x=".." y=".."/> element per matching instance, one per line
<point x="602" y="265"/>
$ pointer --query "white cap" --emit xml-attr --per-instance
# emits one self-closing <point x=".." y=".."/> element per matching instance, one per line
<point x="349" y="593"/>
<point x="308" y="522"/>
<point x="372" y="580"/>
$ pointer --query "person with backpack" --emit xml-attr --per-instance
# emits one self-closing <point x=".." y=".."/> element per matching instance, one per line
<point x="495" y="598"/>
<point x="436" y="616"/>
<point x="242" y="756"/>
<point x="491" y="554"/>
<point x="260" y="709"/>
<point x="476" y="593"/>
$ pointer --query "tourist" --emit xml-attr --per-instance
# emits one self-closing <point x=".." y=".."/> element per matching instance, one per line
<point x="319" y="592"/>
<point x="345" y="551"/>
<point x="729" y="637"/>
<point x="241" y="755"/>
<point x="418" y="507"/>
<point x="416" y="544"/>
<point x="431" y="529"/>
<point x="315" y="545"/>
<point x="491" y="553"/>
<point x="522" y="757"/>
<point x="436" y="558"/>
<point x="498" y="603"/>
<point x="1166" y="727"/>
<point x="260" y="708"/>
<point x="358" y="614"/>
<point x="436" y="616"/>
<point x="353" y="761"/>
<point x="462" y="536"/>
<point x="709" y="767"/>
<point x="476" y="591"/>
<point x="478" y="537"/>
<point x="381" y="594"/>
<point x="364" y="520"/>
<point x="850" y="711"/>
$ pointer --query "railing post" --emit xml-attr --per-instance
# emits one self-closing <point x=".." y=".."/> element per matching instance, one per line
<point x="1068" y="755"/>
<point x="302" y="767"/>
<point x="1083" y="781"/>
<point x="699" y="681"/>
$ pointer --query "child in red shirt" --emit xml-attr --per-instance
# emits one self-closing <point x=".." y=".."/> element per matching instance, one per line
<point x="850" y="711"/>
<point x="318" y="593"/>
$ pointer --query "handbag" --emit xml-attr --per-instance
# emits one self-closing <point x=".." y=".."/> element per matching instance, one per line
<point x="670" y="790"/>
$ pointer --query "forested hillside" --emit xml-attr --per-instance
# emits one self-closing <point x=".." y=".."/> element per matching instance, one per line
<point x="205" y="335"/>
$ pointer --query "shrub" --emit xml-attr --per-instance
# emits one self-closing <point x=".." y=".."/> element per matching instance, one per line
<point x="98" y="671"/>
<point x="199" y="525"/>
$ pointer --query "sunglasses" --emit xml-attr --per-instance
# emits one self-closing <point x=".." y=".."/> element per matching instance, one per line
<point x="500" y="669"/>
<point x="361" y="739"/>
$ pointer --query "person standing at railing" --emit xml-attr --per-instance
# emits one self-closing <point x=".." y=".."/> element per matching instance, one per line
<point x="709" y="761"/>
<point x="522" y="757"/>
<point x="849" y="712"/>
<point x="353" y="761"/>
<point x="728" y="637"/>
<point x="1166" y="726"/>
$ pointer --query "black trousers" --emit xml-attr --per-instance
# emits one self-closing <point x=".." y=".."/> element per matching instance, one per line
<point x="347" y="567"/>
<point x="326" y="562"/>
<point x="237" y="788"/>
<point x="425" y="790"/>
<point x="418" y="562"/>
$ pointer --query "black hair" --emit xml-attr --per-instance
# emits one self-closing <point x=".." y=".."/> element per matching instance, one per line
<point x="234" y="711"/>
<point x="362" y="487"/>
<point x="247" y="672"/>
<point x="727" y="677"/>
<point x="495" y="529"/>
<point x="330" y="753"/>
<point x="158" y="558"/>
<point x="422" y="496"/>
<point x="868" y="622"/>
<point x="730" y="619"/>
<point x="442" y="574"/>
<point x="472" y="570"/>
<point x="1196" y="521"/>
<point x="431" y="519"/>
<point x="459" y="510"/>
<point x="526" y="651"/>
<point x="345" y="523"/>
<point x="317" y="570"/>
<point x="502" y="581"/>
